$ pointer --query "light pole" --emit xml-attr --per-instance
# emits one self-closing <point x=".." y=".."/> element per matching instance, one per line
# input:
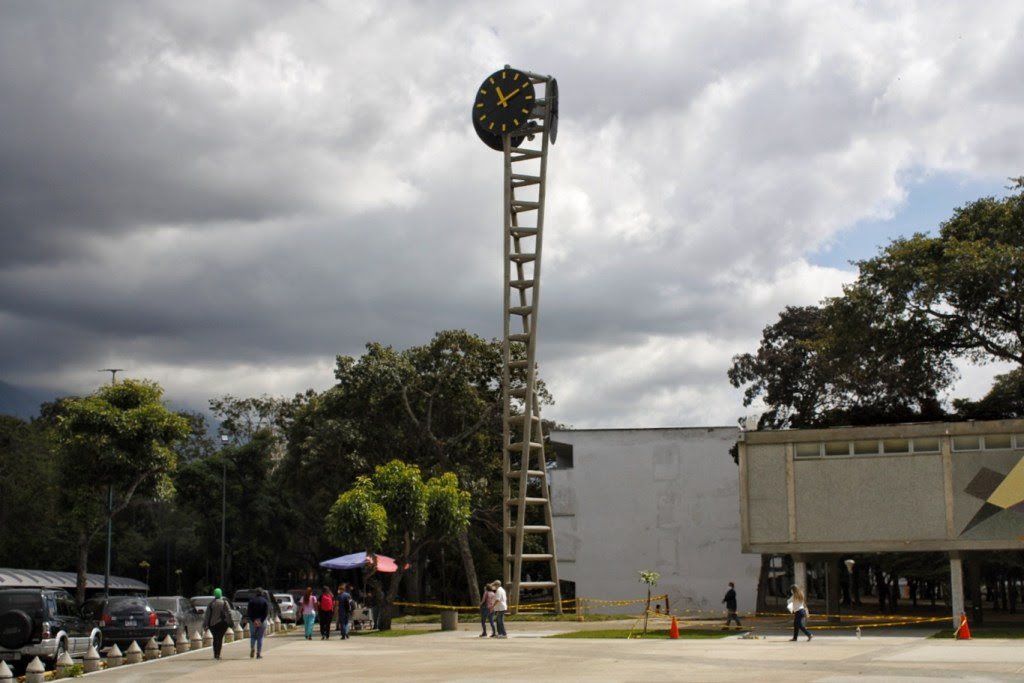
<point x="223" y="506"/>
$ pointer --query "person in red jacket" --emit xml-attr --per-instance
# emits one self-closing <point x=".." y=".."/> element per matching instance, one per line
<point x="326" y="613"/>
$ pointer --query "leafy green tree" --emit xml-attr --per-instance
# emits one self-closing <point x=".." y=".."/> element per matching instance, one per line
<point x="438" y="404"/>
<point x="1004" y="400"/>
<point x="833" y="364"/>
<point x="965" y="286"/>
<point x="29" y="512"/>
<point x="113" y="444"/>
<point x="396" y="512"/>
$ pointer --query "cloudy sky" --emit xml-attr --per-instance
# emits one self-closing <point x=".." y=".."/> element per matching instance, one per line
<point x="222" y="196"/>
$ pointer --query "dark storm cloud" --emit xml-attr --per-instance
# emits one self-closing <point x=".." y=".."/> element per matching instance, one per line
<point x="223" y="196"/>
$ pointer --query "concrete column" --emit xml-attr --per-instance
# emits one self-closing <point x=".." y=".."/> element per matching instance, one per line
<point x="800" y="572"/>
<point x="956" y="584"/>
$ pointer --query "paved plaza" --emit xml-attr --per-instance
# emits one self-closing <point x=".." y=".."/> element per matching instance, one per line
<point x="834" y="656"/>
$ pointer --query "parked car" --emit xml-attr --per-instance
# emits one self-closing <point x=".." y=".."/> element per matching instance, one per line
<point x="44" y="623"/>
<point x="242" y="598"/>
<point x="126" y="618"/>
<point x="241" y="602"/>
<point x="189" y="619"/>
<point x="286" y="603"/>
<point x="201" y="601"/>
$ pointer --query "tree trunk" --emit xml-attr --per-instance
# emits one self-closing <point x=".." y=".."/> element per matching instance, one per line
<point x="82" y="567"/>
<point x="469" y="567"/>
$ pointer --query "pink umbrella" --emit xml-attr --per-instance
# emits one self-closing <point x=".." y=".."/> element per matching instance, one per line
<point x="363" y="559"/>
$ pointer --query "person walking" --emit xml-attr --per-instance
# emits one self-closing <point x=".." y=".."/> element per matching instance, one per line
<point x="730" y="606"/>
<point x="797" y="604"/>
<point x="258" y="611"/>
<point x="487" y="611"/>
<point x="307" y="606"/>
<point x="326" y="613"/>
<point x="344" y="601"/>
<point x="500" y="607"/>
<point x="218" y="620"/>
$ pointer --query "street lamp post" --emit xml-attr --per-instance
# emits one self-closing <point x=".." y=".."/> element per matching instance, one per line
<point x="223" y="507"/>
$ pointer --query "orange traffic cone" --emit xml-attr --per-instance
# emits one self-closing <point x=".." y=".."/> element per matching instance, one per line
<point x="673" y="632"/>
<point x="963" y="632"/>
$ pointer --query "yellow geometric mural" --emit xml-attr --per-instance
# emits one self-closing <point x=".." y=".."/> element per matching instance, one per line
<point x="999" y="491"/>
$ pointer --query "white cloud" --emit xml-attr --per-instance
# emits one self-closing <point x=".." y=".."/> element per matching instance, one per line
<point x="224" y="197"/>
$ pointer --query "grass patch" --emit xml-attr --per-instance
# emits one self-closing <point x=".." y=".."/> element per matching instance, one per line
<point x="652" y="634"/>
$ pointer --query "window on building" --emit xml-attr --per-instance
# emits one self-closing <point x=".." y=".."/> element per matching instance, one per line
<point x="865" y="447"/>
<point x="807" y="450"/>
<point x="837" y="448"/>
<point x="926" y="444"/>
<point x="896" y="445"/>
<point x="966" y="443"/>
<point x="997" y="441"/>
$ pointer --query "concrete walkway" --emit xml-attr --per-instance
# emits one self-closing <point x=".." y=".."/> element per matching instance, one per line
<point x="526" y="655"/>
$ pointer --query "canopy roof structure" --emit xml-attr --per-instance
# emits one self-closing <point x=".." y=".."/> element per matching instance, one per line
<point x="381" y="563"/>
<point x="42" y="578"/>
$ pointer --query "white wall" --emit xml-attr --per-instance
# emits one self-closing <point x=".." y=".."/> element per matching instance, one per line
<point x="665" y="500"/>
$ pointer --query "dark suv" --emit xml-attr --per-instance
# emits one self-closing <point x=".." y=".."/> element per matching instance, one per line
<point x="43" y="622"/>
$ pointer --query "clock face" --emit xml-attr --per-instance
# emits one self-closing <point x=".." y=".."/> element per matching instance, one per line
<point x="503" y="102"/>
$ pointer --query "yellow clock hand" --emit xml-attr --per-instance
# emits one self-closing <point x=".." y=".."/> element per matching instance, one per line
<point x="503" y="99"/>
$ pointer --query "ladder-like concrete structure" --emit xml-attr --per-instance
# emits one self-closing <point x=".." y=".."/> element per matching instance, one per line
<point x="526" y="501"/>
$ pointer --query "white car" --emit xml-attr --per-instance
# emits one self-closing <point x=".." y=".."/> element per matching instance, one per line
<point x="201" y="601"/>
<point x="286" y="601"/>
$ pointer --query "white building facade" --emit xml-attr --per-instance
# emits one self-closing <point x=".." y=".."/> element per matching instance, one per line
<point x="665" y="500"/>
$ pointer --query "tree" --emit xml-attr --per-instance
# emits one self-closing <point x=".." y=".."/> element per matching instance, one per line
<point x="965" y="286"/>
<point x="834" y="364"/>
<point x="439" y="405"/>
<point x="113" y="445"/>
<point x="29" y="512"/>
<point x="394" y="510"/>
<point x="650" y="578"/>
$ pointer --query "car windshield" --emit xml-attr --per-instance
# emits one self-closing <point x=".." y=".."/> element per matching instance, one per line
<point x="121" y="605"/>
<point x="202" y="600"/>
<point x="169" y="604"/>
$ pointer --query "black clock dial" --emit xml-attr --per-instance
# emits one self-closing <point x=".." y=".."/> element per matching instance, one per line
<point x="503" y="103"/>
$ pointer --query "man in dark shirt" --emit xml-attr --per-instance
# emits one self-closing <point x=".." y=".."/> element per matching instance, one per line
<point x="730" y="605"/>
<point x="259" y="610"/>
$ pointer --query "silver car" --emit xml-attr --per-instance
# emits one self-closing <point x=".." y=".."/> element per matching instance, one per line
<point x="200" y="602"/>
<point x="286" y="601"/>
<point x="190" y="619"/>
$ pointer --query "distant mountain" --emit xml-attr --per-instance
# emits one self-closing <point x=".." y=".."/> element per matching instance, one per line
<point x="22" y="402"/>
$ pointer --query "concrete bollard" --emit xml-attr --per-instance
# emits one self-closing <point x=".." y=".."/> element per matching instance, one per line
<point x="182" y="644"/>
<point x="152" y="650"/>
<point x="277" y="624"/>
<point x="229" y="636"/>
<point x="207" y="638"/>
<point x="114" y="656"/>
<point x="167" y="646"/>
<point x="63" y="662"/>
<point x="6" y="675"/>
<point x="91" y="661"/>
<point x="35" y="672"/>
<point x="196" y="641"/>
<point x="133" y="655"/>
<point x="243" y="631"/>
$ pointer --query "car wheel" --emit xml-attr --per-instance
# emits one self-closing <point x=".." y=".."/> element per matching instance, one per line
<point x="15" y="629"/>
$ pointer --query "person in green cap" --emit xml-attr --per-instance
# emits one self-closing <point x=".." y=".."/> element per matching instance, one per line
<point x="218" y="620"/>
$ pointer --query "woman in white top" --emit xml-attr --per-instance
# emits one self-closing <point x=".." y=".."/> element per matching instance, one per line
<point x="797" y="604"/>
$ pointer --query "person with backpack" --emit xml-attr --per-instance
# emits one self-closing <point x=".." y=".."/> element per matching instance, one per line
<point x="218" y="620"/>
<point x="326" y="613"/>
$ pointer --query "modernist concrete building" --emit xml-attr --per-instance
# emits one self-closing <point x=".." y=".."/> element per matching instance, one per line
<point x="666" y="500"/>
<point x="943" y="486"/>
